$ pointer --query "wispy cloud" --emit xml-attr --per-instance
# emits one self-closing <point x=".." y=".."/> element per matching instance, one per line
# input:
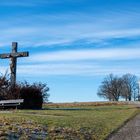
<point x="31" y="36"/>
<point x="57" y="28"/>
<point x="87" y="54"/>
<point x="98" y="62"/>
<point x="42" y="70"/>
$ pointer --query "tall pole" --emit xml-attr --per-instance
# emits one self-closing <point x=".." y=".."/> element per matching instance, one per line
<point x="13" y="64"/>
<point x="139" y="91"/>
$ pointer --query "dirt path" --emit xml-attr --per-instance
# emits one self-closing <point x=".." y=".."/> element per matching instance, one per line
<point x="130" y="131"/>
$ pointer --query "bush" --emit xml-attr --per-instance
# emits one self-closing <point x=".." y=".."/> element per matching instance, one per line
<point x="33" y="94"/>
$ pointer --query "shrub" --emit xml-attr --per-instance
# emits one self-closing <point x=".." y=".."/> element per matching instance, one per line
<point x="33" y="94"/>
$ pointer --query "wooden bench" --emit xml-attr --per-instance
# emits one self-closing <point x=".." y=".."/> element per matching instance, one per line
<point x="11" y="103"/>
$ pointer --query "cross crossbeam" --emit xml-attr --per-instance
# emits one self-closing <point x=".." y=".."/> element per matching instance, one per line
<point x="13" y="56"/>
<point x="9" y="55"/>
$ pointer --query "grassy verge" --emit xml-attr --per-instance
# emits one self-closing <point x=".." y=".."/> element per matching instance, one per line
<point x="96" y="122"/>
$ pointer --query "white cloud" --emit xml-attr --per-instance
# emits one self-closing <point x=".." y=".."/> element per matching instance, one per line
<point x="34" y="37"/>
<point x="76" y="69"/>
<point x="87" y="54"/>
<point x="45" y="29"/>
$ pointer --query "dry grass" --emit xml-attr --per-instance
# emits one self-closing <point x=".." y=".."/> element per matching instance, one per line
<point x="82" y="121"/>
<point x="82" y="104"/>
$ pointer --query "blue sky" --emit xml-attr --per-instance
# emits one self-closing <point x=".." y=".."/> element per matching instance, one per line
<point x="73" y="44"/>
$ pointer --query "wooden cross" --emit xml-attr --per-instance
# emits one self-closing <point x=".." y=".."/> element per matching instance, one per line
<point x="13" y="56"/>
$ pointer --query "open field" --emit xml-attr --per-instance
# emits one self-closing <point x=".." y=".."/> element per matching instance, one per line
<point x="83" y="121"/>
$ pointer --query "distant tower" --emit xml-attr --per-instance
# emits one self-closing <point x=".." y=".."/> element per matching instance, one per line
<point x="139" y="90"/>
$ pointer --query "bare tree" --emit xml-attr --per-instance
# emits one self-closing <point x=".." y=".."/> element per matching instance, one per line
<point x="110" y="88"/>
<point x="130" y="87"/>
<point x="4" y="85"/>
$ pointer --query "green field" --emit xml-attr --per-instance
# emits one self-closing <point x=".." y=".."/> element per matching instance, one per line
<point x="80" y="122"/>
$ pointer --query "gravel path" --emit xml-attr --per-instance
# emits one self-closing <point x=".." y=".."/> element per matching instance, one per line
<point x="130" y="131"/>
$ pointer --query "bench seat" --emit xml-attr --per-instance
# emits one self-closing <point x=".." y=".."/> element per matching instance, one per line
<point x="10" y="103"/>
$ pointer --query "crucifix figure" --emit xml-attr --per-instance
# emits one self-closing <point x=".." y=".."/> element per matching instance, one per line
<point x="13" y="64"/>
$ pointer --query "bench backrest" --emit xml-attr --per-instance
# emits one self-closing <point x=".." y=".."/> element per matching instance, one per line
<point x="11" y="101"/>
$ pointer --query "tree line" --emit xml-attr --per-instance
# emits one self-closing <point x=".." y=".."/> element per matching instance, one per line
<point x="114" y="88"/>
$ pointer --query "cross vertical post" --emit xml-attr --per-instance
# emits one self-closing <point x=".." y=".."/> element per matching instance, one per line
<point x="13" y="64"/>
